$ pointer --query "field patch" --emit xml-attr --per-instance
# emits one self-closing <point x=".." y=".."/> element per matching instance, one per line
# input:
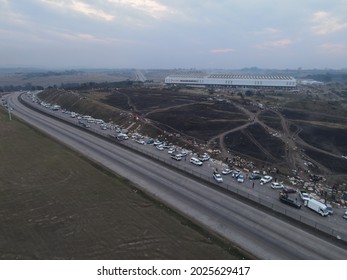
<point x="55" y="204"/>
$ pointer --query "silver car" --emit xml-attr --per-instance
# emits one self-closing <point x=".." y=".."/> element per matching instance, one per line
<point x="218" y="177"/>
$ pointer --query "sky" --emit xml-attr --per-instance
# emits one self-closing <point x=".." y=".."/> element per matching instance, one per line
<point x="168" y="34"/>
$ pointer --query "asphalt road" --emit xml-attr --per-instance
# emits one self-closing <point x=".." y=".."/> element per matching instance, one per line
<point x="264" y="235"/>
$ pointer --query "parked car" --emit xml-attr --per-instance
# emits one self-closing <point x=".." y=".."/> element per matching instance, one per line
<point x="195" y="161"/>
<point x="157" y="143"/>
<point x="176" y="157"/>
<point x="254" y="176"/>
<point x="265" y="179"/>
<point x="276" y="185"/>
<point x="345" y="215"/>
<point x="166" y="145"/>
<point x="140" y="141"/>
<point x="218" y="177"/>
<point x="226" y="171"/>
<point x="235" y="173"/>
<point x="204" y="157"/>
<point x="159" y="147"/>
<point x="122" y="136"/>
<point x="240" y="178"/>
<point x="304" y="196"/>
<point x="329" y="209"/>
<point x="183" y="153"/>
<point x="284" y="198"/>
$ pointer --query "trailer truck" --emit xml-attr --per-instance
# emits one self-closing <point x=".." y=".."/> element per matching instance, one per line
<point x="318" y="207"/>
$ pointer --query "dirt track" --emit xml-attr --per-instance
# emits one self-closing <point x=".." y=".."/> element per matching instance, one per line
<point x="203" y="118"/>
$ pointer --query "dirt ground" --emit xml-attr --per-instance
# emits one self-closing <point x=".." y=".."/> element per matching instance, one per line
<point x="275" y="135"/>
<point x="54" y="204"/>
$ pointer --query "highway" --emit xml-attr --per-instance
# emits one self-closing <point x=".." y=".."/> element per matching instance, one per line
<point x="257" y="232"/>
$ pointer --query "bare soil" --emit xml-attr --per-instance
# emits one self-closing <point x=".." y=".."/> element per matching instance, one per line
<point x="278" y="134"/>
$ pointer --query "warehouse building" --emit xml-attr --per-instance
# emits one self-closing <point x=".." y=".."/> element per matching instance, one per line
<point x="232" y="80"/>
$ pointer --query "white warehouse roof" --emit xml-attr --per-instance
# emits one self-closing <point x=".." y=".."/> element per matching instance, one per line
<point x="232" y="80"/>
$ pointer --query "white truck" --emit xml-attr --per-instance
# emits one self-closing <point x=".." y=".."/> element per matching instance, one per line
<point x="318" y="207"/>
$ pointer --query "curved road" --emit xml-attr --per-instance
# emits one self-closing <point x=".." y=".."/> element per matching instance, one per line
<point x="255" y="231"/>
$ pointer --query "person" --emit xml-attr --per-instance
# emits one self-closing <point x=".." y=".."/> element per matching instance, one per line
<point x="253" y="184"/>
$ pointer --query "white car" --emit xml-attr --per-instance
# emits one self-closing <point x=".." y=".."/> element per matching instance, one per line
<point x="304" y="196"/>
<point x="226" y="171"/>
<point x="204" y="157"/>
<point x="235" y="173"/>
<point x="183" y="153"/>
<point x="159" y="147"/>
<point x="122" y="136"/>
<point x="157" y="143"/>
<point x="176" y="157"/>
<point x="195" y="161"/>
<point x="276" y="185"/>
<point x="265" y="179"/>
<point x="218" y="177"/>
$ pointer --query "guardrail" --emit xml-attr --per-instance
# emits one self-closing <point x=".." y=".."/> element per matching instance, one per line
<point x="230" y="188"/>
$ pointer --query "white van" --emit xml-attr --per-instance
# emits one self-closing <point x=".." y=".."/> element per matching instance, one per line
<point x="318" y="207"/>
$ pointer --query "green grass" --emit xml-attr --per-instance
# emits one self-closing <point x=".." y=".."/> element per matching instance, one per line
<point x="55" y="204"/>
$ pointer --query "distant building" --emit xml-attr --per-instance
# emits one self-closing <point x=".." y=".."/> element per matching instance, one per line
<point x="231" y="80"/>
<point x="311" y="82"/>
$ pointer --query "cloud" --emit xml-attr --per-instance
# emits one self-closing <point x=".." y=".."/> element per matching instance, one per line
<point x="80" y="7"/>
<point x="90" y="11"/>
<point x="268" y="31"/>
<point x="151" y="7"/>
<point x="84" y="37"/>
<point x="221" y="50"/>
<point x="325" y="23"/>
<point x="89" y="38"/>
<point x="282" y="43"/>
<point x="333" y="49"/>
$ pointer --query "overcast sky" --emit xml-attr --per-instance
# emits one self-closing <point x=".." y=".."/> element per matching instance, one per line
<point x="144" y="34"/>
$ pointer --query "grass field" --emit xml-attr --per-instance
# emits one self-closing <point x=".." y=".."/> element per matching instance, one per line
<point x="54" y="204"/>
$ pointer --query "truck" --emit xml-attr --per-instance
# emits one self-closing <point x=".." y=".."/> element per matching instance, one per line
<point x="284" y="198"/>
<point x="318" y="207"/>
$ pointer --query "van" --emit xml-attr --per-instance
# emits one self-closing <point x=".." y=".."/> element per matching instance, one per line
<point x="318" y="207"/>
